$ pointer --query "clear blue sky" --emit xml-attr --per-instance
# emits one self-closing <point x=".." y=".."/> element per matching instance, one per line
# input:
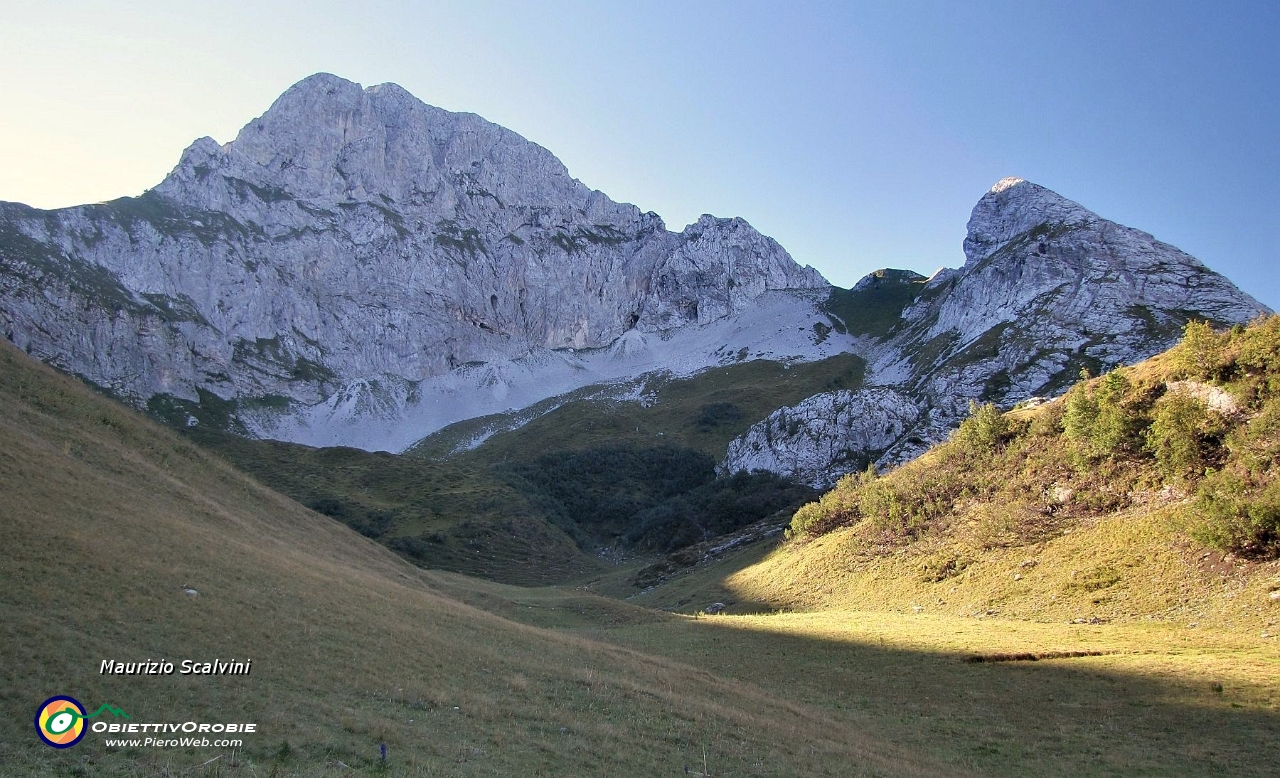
<point x="858" y="135"/>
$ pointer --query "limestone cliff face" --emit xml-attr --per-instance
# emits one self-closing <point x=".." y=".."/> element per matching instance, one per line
<point x="825" y="436"/>
<point x="351" y="234"/>
<point x="1048" y="288"/>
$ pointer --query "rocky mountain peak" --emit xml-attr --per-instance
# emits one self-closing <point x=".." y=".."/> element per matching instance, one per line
<point x="354" y="246"/>
<point x="1014" y="207"/>
<point x="327" y="140"/>
<point x="1048" y="288"/>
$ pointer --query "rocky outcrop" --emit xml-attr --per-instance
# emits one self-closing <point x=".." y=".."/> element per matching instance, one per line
<point x="349" y="235"/>
<point x="825" y="436"/>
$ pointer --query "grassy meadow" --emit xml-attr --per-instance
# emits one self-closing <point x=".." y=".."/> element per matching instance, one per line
<point x="1067" y="611"/>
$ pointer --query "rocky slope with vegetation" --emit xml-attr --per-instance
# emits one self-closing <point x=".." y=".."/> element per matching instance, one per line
<point x="1148" y="492"/>
<point x="1048" y="288"/>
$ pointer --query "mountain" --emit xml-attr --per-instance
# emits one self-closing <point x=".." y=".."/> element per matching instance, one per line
<point x="355" y="253"/>
<point x="1048" y="288"/>
<point x="359" y="268"/>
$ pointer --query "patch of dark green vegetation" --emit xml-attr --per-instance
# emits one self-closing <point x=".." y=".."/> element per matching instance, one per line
<point x="480" y="191"/>
<point x="272" y="352"/>
<point x="315" y="211"/>
<point x="277" y="402"/>
<point x="655" y="499"/>
<point x="372" y="524"/>
<point x="267" y="194"/>
<point x="874" y="307"/>
<point x="596" y="235"/>
<point x="394" y="219"/>
<point x="719" y="414"/>
<point x="435" y="514"/>
<point x="209" y="411"/>
<point x="312" y="372"/>
<point x="467" y="241"/>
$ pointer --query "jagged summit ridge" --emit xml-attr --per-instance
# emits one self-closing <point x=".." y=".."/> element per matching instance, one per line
<point x="327" y="139"/>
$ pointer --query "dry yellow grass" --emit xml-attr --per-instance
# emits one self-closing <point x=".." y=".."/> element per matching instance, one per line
<point x="1133" y="565"/>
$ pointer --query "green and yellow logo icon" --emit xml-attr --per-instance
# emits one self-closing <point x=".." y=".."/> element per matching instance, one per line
<point x="60" y="720"/>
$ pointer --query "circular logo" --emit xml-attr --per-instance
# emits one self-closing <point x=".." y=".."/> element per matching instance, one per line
<point x="60" y="721"/>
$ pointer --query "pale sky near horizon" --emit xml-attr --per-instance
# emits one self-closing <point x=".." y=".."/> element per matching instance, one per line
<point x="859" y="135"/>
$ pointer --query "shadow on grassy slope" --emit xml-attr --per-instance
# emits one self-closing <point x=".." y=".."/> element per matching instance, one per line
<point x="1164" y="705"/>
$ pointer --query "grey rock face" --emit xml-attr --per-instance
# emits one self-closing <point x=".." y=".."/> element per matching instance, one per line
<point x="1048" y="288"/>
<point x="824" y="437"/>
<point x="350" y="234"/>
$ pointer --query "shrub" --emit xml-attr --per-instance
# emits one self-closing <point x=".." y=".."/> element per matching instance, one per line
<point x="1239" y="514"/>
<point x="1200" y="354"/>
<point x="982" y="433"/>
<point x="1116" y="426"/>
<point x="1080" y="412"/>
<point x="1098" y="419"/>
<point x="1179" y="434"/>
<point x="1258" y="356"/>
<point x="837" y="507"/>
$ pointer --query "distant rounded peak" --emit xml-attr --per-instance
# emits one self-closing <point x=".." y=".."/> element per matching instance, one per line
<point x="888" y="275"/>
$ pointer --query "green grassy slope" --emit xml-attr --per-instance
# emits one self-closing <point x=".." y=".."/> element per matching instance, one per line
<point x="702" y="412"/>
<point x="875" y="309"/>
<point x="107" y="518"/>
<point x="440" y="515"/>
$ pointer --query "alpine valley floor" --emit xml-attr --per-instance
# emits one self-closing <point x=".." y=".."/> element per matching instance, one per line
<point x="108" y="518"/>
